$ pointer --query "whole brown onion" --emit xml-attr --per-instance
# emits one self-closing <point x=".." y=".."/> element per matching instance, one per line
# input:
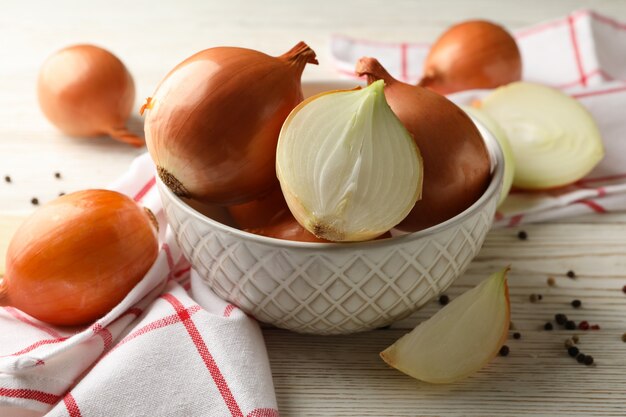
<point x="213" y="122"/>
<point x="456" y="162"/>
<point x="269" y="216"/>
<point x="86" y="91"/>
<point x="472" y="54"/>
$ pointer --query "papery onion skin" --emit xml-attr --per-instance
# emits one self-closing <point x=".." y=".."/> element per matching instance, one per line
<point x="286" y="228"/>
<point x="472" y="54"/>
<point x="263" y="211"/>
<point x="86" y="91"/>
<point x="78" y="256"/>
<point x="212" y="124"/>
<point x="269" y="216"/>
<point x="456" y="161"/>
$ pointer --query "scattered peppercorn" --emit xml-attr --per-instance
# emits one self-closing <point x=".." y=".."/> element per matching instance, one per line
<point x="535" y="297"/>
<point x="517" y="335"/>
<point x="547" y="326"/>
<point x="57" y="175"/>
<point x="583" y="325"/>
<point x="522" y="235"/>
<point x="576" y="303"/>
<point x="595" y="327"/>
<point x="61" y="194"/>
<point x="570" y="325"/>
<point x="572" y="351"/>
<point x="444" y="299"/>
<point x="34" y="201"/>
<point x="575" y="338"/>
<point x="624" y="289"/>
<point x="504" y="350"/>
<point x="8" y="179"/>
<point x="588" y="360"/>
<point x="581" y="357"/>
<point x="571" y="274"/>
<point x="551" y="281"/>
<point x="560" y="319"/>
<point x="624" y="338"/>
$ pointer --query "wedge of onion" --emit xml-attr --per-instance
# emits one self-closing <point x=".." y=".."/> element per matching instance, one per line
<point x="459" y="339"/>
<point x="494" y="128"/>
<point x="555" y="140"/>
<point x="348" y="168"/>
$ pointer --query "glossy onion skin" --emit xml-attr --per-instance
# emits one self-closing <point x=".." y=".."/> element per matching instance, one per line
<point x="78" y="256"/>
<point x="472" y="54"/>
<point x="456" y="161"/>
<point x="86" y="91"/>
<point x="213" y="123"/>
<point x="269" y="216"/>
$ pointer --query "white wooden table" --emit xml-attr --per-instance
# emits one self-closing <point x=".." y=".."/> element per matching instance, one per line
<point x="337" y="376"/>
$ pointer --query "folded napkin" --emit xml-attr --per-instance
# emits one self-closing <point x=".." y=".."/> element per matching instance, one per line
<point x="160" y="352"/>
<point x="583" y="54"/>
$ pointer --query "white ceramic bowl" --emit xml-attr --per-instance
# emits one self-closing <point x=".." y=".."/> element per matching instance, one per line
<point x="328" y="288"/>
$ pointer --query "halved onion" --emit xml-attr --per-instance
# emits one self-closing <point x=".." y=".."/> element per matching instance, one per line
<point x="459" y="339"/>
<point x="555" y="140"/>
<point x="348" y="168"/>
<point x="494" y="128"/>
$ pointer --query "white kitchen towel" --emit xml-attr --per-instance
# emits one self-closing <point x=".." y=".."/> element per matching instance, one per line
<point x="583" y="54"/>
<point x="160" y="352"/>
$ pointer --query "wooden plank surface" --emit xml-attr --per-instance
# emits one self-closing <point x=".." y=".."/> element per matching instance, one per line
<point x="338" y="376"/>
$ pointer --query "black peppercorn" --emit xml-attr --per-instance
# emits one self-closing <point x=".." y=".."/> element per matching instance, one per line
<point x="34" y="201"/>
<point x="560" y="319"/>
<point x="570" y="325"/>
<point x="57" y="175"/>
<point x="522" y="235"/>
<point x="7" y="178"/>
<point x="576" y="303"/>
<point x="573" y="351"/>
<point x="581" y="357"/>
<point x="504" y="350"/>
<point x="444" y="299"/>
<point x="547" y="326"/>
<point x="588" y="360"/>
<point x="535" y="297"/>
<point x="516" y="335"/>
<point x="61" y="194"/>
<point x="571" y="274"/>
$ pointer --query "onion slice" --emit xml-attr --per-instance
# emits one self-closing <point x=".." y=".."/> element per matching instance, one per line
<point x="459" y="339"/>
<point x="486" y="122"/>
<point x="555" y="140"/>
<point x="348" y="168"/>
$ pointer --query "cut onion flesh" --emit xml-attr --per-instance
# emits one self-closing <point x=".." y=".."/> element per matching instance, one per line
<point x="459" y="339"/>
<point x="348" y="168"/>
<point x="486" y="122"/>
<point x="555" y="140"/>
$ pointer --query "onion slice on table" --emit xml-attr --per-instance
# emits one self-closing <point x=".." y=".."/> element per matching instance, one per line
<point x="460" y="338"/>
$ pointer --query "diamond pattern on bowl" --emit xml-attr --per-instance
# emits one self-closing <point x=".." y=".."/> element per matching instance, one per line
<point x="328" y="290"/>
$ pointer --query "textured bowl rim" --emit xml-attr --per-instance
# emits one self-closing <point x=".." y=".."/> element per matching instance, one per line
<point x="495" y="185"/>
